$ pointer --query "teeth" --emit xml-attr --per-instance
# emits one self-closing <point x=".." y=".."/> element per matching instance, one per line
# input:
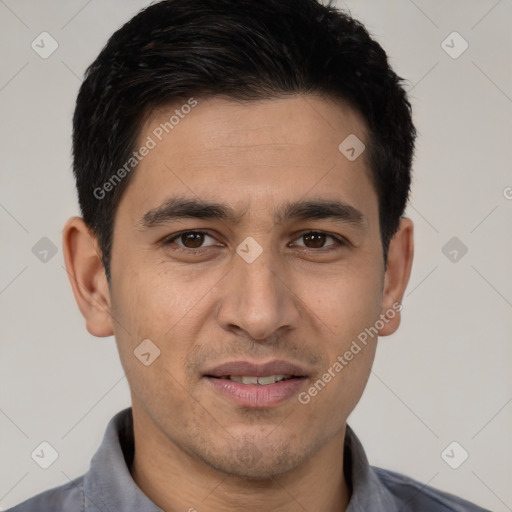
<point x="271" y="379"/>
<point x="249" y="380"/>
<point x="262" y="381"/>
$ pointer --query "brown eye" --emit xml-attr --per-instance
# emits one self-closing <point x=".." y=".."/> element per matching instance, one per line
<point x="190" y="239"/>
<point x="317" y="240"/>
<point x="314" y="240"/>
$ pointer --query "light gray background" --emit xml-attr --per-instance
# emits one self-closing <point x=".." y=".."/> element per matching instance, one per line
<point x="445" y="376"/>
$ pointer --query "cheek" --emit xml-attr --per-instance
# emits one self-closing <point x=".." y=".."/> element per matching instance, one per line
<point x="154" y="301"/>
<point x="345" y="302"/>
<point x="168" y="308"/>
<point x="150" y="314"/>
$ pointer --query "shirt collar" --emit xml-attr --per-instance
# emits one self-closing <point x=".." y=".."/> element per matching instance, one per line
<point x="368" y="492"/>
<point x="108" y="485"/>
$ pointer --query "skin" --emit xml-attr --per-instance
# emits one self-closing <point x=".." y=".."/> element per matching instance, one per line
<point x="300" y="301"/>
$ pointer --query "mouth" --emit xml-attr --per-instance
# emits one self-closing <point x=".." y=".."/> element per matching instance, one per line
<point x="260" y="381"/>
<point x="257" y="385"/>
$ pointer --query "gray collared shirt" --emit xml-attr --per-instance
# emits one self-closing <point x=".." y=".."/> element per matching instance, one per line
<point x="109" y="487"/>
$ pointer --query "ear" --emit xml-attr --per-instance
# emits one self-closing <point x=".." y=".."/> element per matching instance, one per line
<point x="87" y="276"/>
<point x="399" y="264"/>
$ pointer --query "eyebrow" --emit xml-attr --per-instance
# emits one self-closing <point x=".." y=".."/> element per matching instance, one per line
<point x="176" y="208"/>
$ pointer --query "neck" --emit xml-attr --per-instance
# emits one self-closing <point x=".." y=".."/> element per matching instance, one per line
<point x="175" y="480"/>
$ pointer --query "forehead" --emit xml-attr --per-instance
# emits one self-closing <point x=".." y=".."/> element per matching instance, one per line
<point x="250" y="152"/>
<point x="302" y="122"/>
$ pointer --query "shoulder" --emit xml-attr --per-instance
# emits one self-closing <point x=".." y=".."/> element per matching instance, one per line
<point x="418" y="497"/>
<point x="64" y="498"/>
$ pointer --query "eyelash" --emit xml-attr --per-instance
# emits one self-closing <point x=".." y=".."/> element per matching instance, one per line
<point x="340" y="241"/>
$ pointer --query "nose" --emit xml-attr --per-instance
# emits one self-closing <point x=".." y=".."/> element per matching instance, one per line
<point x="258" y="298"/>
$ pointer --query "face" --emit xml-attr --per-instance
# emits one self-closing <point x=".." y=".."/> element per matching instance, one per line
<point x="247" y="244"/>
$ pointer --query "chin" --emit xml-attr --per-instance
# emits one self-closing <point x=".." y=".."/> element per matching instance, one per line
<point x="249" y="461"/>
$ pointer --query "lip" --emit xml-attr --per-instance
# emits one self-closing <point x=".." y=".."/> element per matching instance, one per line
<point x="246" y="368"/>
<point x="255" y="395"/>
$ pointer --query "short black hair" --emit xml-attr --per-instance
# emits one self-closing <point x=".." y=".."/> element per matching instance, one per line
<point x="243" y="50"/>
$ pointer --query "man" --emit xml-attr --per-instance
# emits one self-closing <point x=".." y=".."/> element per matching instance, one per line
<point x="242" y="170"/>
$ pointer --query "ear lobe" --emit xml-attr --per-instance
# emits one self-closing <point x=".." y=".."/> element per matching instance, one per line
<point x="86" y="274"/>
<point x="399" y="264"/>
